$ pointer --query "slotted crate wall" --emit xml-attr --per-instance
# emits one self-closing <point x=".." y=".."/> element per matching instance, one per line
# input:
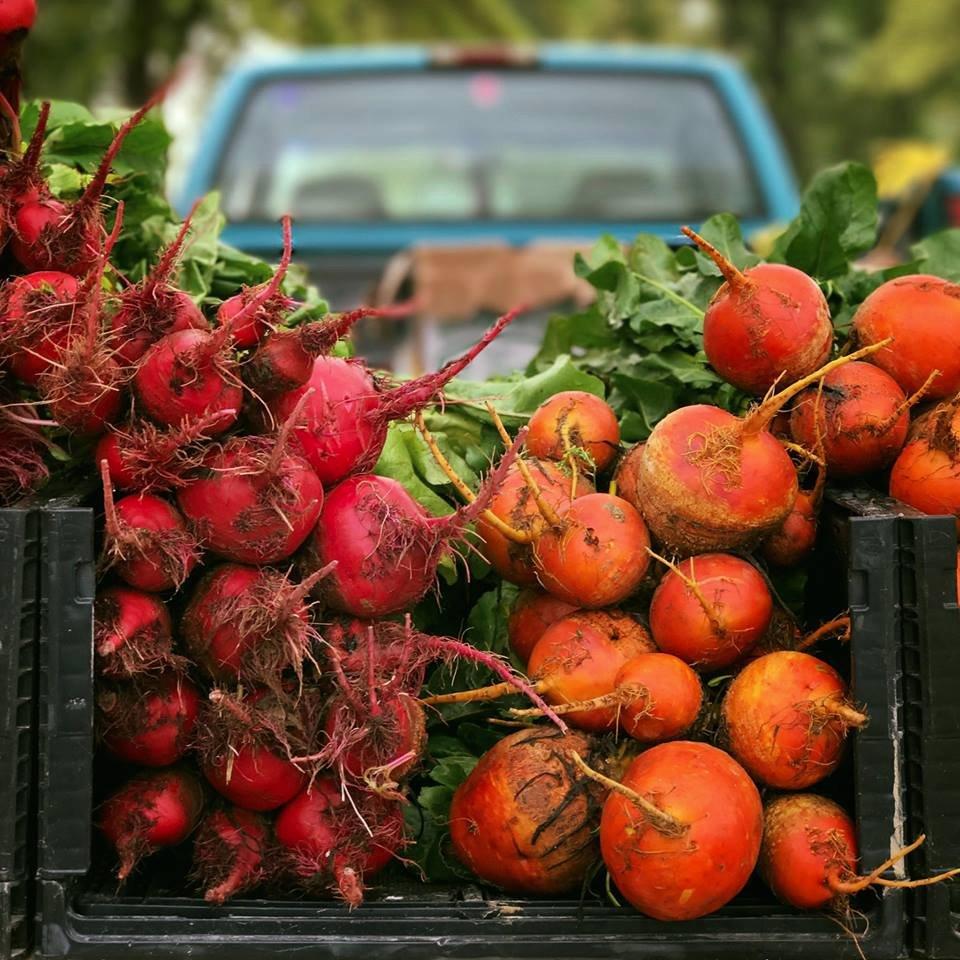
<point x="82" y="915"/>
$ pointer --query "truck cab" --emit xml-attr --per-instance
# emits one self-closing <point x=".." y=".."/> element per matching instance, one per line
<point x="379" y="150"/>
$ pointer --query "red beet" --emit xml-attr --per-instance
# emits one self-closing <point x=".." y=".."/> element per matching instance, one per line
<point x="767" y="325"/>
<point x="149" y="722"/>
<point x="52" y="235"/>
<point x="22" y="468"/>
<point x="787" y="715"/>
<point x="248" y="623"/>
<point x="710" y="610"/>
<point x="147" y="541"/>
<point x="596" y="554"/>
<point x="922" y="315"/>
<point x="574" y="421"/>
<point x="132" y="633"/>
<point x="343" y="426"/>
<point x="153" y="810"/>
<point x="330" y="842"/>
<point x="17" y="15"/>
<point x="82" y="389"/>
<point x="244" y="742"/>
<point x="533" y="612"/>
<point x="189" y="374"/>
<point x="143" y="457"/>
<point x="154" y="307"/>
<point x="285" y="359"/>
<point x="385" y="544"/>
<point x="230" y="853"/>
<point x="269" y="304"/>
<point x="860" y="413"/>
<point x="256" y="501"/>
<point x="21" y="180"/>
<point x="36" y="320"/>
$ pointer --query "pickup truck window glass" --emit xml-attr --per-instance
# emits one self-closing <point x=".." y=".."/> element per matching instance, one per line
<point x="485" y="145"/>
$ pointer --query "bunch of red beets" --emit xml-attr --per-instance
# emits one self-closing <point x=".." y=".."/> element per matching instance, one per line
<point x="279" y="724"/>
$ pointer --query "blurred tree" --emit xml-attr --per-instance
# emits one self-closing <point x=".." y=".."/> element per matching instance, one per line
<point x="837" y="74"/>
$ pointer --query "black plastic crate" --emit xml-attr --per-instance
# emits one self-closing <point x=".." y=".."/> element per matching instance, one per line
<point x="931" y="637"/>
<point x="19" y="569"/>
<point x="81" y="914"/>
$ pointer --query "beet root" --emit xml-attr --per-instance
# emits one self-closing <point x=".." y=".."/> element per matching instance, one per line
<point x="532" y="613"/>
<point x="787" y="715"/>
<point x="578" y="658"/>
<point x="524" y="819"/>
<point x="515" y="505"/>
<point x="669" y="697"/>
<point x="248" y="623"/>
<point x="245" y="741"/>
<point x="132" y="634"/>
<point x="709" y="481"/>
<point x="922" y="315"/>
<point x="148" y="722"/>
<point x="596" y="554"/>
<point x="809" y="855"/>
<point x="147" y="541"/>
<point x="573" y="425"/>
<point x="230" y="853"/>
<point x="688" y="839"/>
<point x="710" y="609"/>
<point x="766" y="325"/>
<point x="329" y="842"/>
<point x="861" y="416"/>
<point x="256" y="501"/>
<point x="153" y="810"/>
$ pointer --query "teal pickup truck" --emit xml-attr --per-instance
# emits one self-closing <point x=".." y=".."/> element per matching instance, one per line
<point x="375" y="149"/>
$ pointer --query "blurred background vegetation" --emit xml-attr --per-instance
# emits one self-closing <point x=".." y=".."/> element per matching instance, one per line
<point x="841" y="76"/>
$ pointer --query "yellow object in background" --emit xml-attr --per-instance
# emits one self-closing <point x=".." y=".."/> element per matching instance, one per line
<point x="900" y="165"/>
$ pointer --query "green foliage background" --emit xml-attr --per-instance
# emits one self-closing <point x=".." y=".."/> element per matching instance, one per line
<point x="838" y="74"/>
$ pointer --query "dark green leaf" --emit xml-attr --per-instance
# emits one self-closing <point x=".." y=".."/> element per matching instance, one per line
<point x="723" y="231"/>
<point x="836" y="224"/>
<point x="939" y="254"/>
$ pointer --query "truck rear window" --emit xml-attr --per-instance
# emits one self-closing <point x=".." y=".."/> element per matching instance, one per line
<point x="486" y="145"/>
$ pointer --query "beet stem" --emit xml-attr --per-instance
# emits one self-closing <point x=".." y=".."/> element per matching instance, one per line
<point x="417" y="393"/>
<point x="659" y="819"/>
<point x="14" y="119"/>
<point x="511" y="533"/>
<point x="627" y="694"/>
<point x="839" y="625"/>
<point x="736" y="278"/>
<point x="32" y="156"/>
<point x="763" y="413"/>
<point x="283" y="437"/>
<point x="546" y="510"/>
<point x="168" y="259"/>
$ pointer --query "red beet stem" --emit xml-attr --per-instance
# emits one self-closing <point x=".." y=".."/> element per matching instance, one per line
<point x="418" y="393"/>
<point x="445" y="646"/>
<point x="283" y="437"/>
<point x="94" y="189"/>
<point x="14" y="119"/>
<point x="305" y="586"/>
<point x="31" y="157"/>
<point x="168" y="259"/>
<point x="450" y="524"/>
